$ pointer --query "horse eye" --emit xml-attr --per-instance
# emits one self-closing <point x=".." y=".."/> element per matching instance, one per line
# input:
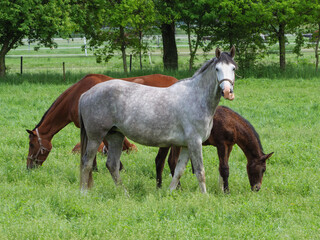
<point x="31" y="145"/>
<point x="234" y="69"/>
<point x="217" y="69"/>
<point x="263" y="170"/>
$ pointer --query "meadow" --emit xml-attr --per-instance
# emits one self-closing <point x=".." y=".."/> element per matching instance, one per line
<point x="46" y="203"/>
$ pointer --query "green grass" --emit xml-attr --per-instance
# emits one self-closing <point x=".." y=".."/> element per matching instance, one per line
<point x="46" y="203"/>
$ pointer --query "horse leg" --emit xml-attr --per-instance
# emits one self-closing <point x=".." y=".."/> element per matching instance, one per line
<point x="94" y="165"/>
<point x="128" y="147"/>
<point x="224" y="153"/>
<point x="86" y="180"/>
<point x="181" y="165"/>
<point x="195" y="152"/>
<point x="173" y="159"/>
<point x="115" y="141"/>
<point x="160" y="160"/>
<point x="106" y="149"/>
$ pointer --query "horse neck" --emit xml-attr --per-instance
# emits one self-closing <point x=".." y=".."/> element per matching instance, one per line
<point x="206" y="87"/>
<point x="248" y="140"/>
<point x="54" y="119"/>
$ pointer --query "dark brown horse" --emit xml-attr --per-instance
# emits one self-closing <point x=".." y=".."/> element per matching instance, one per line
<point x="65" y="110"/>
<point x="229" y="128"/>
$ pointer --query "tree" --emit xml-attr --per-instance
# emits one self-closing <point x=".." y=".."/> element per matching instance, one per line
<point x="284" y="16"/>
<point x="143" y="24"/>
<point x="167" y="16"/>
<point x="196" y="17"/>
<point x="238" y="23"/>
<point x="313" y="18"/>
<point x="114" y="25"/>
<point x="37" y="20"/>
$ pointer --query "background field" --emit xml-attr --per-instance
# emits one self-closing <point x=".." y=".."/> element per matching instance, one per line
<point x="46" y="203"/>
<point x="72" y="53"/>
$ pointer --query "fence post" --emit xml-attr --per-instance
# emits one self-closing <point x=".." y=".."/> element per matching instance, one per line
<point x="64" y="71"/>
<point x="21" y="65"/>
<point x="85" y="45"/>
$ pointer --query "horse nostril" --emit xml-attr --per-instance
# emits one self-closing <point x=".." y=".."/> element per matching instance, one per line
<point x="255" y="188"/>
<point x="231" y="90"/>
<point x="222" y="93"/>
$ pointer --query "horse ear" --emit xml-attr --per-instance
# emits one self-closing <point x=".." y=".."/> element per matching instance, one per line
<point x="233" y="51"/>
<point x="30" y="132"/>
<point x="266" y="156"/>
<point x="218" y="52"/>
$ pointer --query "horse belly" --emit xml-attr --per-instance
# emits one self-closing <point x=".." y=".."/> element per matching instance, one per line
<point x="153" y="134"/>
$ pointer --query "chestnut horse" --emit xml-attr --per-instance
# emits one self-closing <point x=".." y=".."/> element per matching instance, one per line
<point x="229" y="128"/>
<point x="65" y="110"/>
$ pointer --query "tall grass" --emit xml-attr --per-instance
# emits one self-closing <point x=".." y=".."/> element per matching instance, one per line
<point x="45" y="203"/>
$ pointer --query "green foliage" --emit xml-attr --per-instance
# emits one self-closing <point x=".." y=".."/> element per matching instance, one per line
<point x="196" y="18"/>
<point x="239" y="23"/>
<point x="115" y="25"/>
<point x="299" y="42"/>
<point x="36" y="20"/>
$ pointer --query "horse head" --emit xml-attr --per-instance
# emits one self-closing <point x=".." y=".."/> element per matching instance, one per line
<point x="38" y="149"/>
<point x="225" y="69"/>
<point x="256" y="170"/>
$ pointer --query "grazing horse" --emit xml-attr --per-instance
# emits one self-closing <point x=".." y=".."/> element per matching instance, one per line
<point x="65" y="110"/>
<point x="229" y="128"/>
<point x="179" y="115"/>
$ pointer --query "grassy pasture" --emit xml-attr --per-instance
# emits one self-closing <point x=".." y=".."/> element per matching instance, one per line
<point x="46" y="203"/>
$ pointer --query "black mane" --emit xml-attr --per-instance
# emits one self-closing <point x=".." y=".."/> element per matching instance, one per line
<point x="224" y="57"/>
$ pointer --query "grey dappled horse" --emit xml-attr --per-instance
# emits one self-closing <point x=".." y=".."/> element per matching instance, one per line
<point x="179" y="115"/>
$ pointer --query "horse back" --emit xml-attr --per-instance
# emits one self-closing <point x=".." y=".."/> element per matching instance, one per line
<point x="231" y="128"/>
<point x="154" y="80"/>
<point x="225" y="122"/>
<point x="79" y="88"/>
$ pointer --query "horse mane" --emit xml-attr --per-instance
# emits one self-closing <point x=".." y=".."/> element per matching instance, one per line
<point x="224" y="57"/>
<point x="249" y="125"/>
<point x="205" y="66"/>
<point x="44" y="115"/>
<point x="53" y="105"/>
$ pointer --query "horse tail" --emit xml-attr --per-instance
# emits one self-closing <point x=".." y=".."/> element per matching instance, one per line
<point x="83" y="136"/>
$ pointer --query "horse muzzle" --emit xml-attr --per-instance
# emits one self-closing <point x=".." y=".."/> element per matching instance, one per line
<point x="33" y="162"/>
<point x="256" y="187"/>
<point x="227" y="89"/>
<point x="228" y="94"/>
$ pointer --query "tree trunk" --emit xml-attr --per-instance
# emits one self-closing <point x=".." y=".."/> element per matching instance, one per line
<point x="140" y="52"/>
<point x="317" y="48"/>
<point x="2" y="65"/>
<point x="123" y="50"/>
<point x="282" y="46"/>
<point x="193" y="54"/>
<point x="170" y="52"/>
<point x="3" y="51"/>
<point x="190" y="47"/>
